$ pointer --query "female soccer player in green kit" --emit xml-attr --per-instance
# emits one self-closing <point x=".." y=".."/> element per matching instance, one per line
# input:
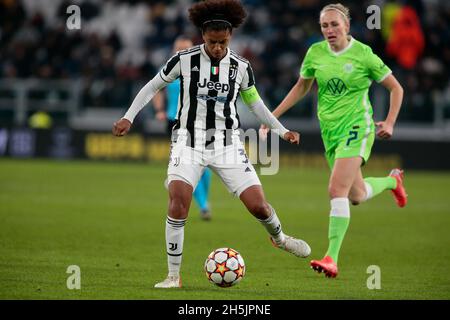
<point x="344" y="69"/>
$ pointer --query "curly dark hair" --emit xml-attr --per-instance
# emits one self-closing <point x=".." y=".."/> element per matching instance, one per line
<point x="217" y="14"/>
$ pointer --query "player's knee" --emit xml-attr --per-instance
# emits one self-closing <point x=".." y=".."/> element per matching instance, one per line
<point x="178" y="209"/>
<point x="337" y="191"/>
<point x="356" y="197"/>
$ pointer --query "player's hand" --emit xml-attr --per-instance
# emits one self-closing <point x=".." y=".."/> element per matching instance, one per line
<point x="384" y="129"/>
<point x="263" y="131"/>
<point x="292" y="137"/>
<point x="121" y="127"/>
<point x="161" y="116"/>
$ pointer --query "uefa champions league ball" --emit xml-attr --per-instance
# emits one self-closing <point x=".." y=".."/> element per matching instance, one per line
<point x="224" y="267"/>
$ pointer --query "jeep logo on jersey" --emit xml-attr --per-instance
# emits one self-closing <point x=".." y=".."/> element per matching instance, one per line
<point x="336" y="87"/>
<point x="222" y="87"/>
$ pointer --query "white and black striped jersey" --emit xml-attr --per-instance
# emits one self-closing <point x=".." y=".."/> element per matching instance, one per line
<point x="208" y="89"/>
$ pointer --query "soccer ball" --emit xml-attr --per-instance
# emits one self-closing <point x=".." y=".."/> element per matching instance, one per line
<point x="225" y="267"/>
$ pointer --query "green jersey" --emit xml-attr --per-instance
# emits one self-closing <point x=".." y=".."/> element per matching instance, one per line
<point x="343" y="78"/>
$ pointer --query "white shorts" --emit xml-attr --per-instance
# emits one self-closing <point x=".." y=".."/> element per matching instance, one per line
<point x="229" y="162"/>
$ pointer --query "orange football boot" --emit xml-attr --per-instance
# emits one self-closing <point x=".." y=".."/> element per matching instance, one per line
<point x="399" y="193"/>
<point x="326" y="265"/>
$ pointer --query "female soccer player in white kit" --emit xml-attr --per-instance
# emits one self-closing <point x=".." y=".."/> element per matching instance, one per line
<point x="211" y="75"/>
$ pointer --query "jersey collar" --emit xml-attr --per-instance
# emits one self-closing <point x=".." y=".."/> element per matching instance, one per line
<point x="338" y="53"/>
<point x="202" y="48"/>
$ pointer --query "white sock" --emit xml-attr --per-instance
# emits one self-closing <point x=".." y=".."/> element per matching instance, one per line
<point x="174" y="244"/>
<point x="340" y="207"/>
<point x="273" y="226"/>
<point x="369" y="191"/>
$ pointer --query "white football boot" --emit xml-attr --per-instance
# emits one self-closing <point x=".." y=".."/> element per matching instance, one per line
<point x="297" y="247"/>
<point x="170" y="282"/>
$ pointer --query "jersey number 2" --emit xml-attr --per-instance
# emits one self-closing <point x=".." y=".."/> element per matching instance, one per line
<point x="353" y="136"/>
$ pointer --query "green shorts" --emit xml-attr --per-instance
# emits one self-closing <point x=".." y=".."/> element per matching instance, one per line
<point x="348" y="141"/>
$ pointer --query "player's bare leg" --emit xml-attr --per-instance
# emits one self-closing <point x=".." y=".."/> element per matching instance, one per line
<point x="358" y="193"/>
<point x="180" y="196"/>
<point x="254" y="199"/>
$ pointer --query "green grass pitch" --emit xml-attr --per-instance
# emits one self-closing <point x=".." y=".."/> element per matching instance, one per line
<point x="109" y="219"/>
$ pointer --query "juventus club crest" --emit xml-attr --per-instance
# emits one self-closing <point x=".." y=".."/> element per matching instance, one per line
<point x="233" y="72"/>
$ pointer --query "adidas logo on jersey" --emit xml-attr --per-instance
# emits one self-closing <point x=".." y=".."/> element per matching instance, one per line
<point x="248" y="169"/>
<point x="222" y="87"/>
<point x="195" y="69"/>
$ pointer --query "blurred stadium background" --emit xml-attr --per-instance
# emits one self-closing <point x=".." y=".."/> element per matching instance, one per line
<point x="61" y="90"/>
<point x="78" y="81"/>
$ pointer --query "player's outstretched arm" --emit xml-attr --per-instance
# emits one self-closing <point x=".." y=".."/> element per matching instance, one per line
<point x="159" y="106"/>
<point x="297" y="92"/>
<point x="385" y="128"/>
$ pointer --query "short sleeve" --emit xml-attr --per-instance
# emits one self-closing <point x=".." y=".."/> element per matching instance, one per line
<point x="171" y="69"/>
<point x="307" y="70"/>
<point x="248" y="80"/>
<point x="377" y="70"/>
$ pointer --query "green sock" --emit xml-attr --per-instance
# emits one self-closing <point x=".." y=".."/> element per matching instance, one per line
<point x="378" y="185"/>
<point x="336" y="232"/>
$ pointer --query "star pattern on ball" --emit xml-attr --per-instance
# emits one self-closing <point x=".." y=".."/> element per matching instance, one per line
<point x="239" y="271"/>
<point x="232" y="253"/>
<point x="222" y="268"/>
